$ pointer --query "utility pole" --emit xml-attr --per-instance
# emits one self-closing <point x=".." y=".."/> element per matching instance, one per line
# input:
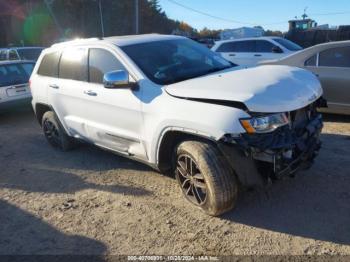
<point x="48" y="4"/>
<point x="136" y="17"/>
<point x="101" y="18"/>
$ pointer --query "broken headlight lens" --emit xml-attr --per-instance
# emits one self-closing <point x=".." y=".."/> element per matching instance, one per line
<point x="264" y="124"/>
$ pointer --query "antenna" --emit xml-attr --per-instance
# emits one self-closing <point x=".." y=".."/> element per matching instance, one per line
<point x="305" y="15"/>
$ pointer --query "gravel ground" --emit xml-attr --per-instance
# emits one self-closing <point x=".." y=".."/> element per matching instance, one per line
<point x="89" y="201"/>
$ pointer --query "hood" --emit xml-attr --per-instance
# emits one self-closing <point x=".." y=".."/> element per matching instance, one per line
<point x="265" y="89"/>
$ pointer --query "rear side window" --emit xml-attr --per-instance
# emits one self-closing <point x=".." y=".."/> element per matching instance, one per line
<point x="49" y="65"/>
<point x="311" y="61"/>
<point x="263" y="46"/>
<point x="238" y="47"/>
<point x="100" y="62"/>
<point x="245" y="47"/>
<point x="73" y="64"/>
<point x="335" y="57"/>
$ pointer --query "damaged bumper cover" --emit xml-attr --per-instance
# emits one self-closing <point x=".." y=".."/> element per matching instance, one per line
<point x="256" y="158"/>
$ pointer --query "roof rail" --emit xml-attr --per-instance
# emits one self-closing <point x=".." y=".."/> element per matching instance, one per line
<point x="78" y="40"/>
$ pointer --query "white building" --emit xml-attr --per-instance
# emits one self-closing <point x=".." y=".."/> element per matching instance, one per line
<point x="241" y="33"/>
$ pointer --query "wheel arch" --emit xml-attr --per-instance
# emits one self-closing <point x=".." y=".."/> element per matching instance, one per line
<point x="168" y="141"/>
<point x="40" y="110"/>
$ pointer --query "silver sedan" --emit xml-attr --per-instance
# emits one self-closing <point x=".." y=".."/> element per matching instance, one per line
<point x="331" y="63"/>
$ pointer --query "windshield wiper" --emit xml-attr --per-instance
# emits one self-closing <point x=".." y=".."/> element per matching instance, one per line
<point x="212" y="70"/>
<point x="215" y="69"/>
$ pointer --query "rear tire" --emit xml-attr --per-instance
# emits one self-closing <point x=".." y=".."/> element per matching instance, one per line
<point x="205" y="177"/>
<point x="55" y="133"/>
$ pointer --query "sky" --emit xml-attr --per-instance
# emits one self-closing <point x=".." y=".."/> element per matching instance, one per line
<point x="271" y="14"/>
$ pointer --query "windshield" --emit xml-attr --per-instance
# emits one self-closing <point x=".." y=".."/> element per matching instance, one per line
<point x="14" y="74"/>
<point x="30" y="53"/>
<point x="170" y="61"/>
<point x="288" y="44"/>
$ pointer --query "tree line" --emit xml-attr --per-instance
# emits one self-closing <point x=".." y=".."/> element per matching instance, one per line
<point x="43" y="22"/>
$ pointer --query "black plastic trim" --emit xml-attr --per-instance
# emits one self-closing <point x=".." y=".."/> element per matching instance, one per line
<point x="233" y="104"/>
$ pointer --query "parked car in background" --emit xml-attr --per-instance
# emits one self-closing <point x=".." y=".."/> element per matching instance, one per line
<point x="330" y="62"/>
<point x="208" y="42"/>
<point x="174" y="104"/>
<point x="20" y="53"/>
<point x="14" y="88"/>
<point x="251" y="51"/>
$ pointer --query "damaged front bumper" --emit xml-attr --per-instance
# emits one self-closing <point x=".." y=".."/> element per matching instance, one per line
<point x="258" y="158"/>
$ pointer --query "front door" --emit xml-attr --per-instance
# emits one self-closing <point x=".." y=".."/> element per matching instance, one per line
<point x="114" y="118"/>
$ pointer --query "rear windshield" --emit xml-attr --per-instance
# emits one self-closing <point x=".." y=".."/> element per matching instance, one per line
<point x="30" y="53"/>
<point x="14" y="74"/>
<point x="288" y="44"/>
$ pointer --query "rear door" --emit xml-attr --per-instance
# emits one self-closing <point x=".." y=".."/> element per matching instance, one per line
<point x="239" y="52"/>
<point x="333" y="71"/>
<point x="66" y="93"/>
<point x="227" y="51"/>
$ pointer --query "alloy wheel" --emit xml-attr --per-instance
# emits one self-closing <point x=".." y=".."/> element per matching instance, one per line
<point x="191" y="180"/>
<point x="51" y="132"/>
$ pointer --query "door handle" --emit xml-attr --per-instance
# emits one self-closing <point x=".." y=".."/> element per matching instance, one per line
<point x="232" y="55"/>
<point x="54" y="86"/>
<point x="257" y="55"/>
<point x="90" y="93"/>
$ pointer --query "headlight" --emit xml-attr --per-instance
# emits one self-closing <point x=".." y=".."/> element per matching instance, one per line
<point x="264" y="124"/>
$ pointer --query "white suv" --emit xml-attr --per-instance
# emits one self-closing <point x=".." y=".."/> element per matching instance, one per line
<point x="179" y="107"/>
<point x="251" y="51"/>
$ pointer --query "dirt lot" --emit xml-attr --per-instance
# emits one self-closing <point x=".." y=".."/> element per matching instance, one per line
<point x="89" y="201"/>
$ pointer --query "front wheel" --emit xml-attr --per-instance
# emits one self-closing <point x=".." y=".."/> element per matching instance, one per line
<point x="205" y="177"/>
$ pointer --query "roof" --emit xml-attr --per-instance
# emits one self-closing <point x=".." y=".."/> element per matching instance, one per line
<point x="244" y="27"/>
<point x="11" y="62"/>
<point x="121" y="40"/>
<point x="248" y="38"/>
<point x="323" y="46"/>
<point x="22" y="47"/>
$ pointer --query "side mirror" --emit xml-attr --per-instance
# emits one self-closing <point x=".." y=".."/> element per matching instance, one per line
<point x="118" y="79"/>
<point x="277" y="50"/>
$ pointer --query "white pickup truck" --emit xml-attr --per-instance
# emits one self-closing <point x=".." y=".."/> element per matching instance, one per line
<point x="181" y="108"/>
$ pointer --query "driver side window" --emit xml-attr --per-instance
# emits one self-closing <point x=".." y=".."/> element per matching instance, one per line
<point x="100" y="62"/>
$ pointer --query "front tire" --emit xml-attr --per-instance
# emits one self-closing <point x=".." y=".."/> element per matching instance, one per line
<point x="55" y="133"/>
<point x="205" y="177"/>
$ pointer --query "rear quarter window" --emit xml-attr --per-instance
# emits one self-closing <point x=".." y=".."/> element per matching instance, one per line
<point x="226" y="47"/>
<point x="311" y="61"/>
<point x="49" y="65"/>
